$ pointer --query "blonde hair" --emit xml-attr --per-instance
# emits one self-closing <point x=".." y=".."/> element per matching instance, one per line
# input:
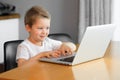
<point x="34" y="13"/>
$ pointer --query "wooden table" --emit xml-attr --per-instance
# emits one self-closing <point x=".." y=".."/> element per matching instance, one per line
<point x="107" y="68"/>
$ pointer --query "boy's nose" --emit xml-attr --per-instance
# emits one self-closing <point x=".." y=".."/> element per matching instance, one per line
<point x="44" y="31"/>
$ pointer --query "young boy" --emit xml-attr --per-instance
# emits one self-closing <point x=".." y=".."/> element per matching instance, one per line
<point x="38" y="45"/>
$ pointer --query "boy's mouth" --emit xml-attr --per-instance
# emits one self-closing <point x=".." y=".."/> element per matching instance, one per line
<point x="42" y="36"/>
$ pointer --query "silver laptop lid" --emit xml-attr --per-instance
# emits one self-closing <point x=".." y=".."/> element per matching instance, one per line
<point x="94" y="43"/>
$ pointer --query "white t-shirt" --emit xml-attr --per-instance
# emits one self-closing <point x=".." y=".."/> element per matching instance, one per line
<point x="27" y="49"/>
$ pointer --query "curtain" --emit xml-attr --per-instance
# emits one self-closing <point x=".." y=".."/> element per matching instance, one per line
<point x="93" y="12"/>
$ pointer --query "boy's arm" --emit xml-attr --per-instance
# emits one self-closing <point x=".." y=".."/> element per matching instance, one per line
<point x="47" y="54"/>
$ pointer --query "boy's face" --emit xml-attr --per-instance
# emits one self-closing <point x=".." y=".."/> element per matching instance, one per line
<point x="39" y="30"/>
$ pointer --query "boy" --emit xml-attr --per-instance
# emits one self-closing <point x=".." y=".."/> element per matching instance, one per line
<point x="38" y="45"/>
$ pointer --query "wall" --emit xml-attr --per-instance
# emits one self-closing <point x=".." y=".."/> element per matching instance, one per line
<point x="116" y="18"/>
<point x="64" y="15"/>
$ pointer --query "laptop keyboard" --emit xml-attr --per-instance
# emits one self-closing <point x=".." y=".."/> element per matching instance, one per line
<point x="68" y="59"/>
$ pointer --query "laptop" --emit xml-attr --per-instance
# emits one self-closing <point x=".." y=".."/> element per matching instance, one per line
<point x="93" y="46"/>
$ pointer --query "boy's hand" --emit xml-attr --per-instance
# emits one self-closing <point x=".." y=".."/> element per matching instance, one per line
<point x="65" y="50"/>
<point x="49" y="54"/>
<point x="55" y="53"/>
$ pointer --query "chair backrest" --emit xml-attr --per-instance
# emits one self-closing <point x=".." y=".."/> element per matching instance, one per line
<point x="61" y="36"/>
<point x="10" y="49"/>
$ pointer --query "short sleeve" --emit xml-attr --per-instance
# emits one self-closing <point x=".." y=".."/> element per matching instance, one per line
<point x="22" y="52"/>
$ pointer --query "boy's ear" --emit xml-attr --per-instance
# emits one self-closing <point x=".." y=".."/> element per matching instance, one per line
<point x="28" y="28"/>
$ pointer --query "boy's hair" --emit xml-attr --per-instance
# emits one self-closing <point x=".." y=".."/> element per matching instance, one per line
<point x="34" y="13"/>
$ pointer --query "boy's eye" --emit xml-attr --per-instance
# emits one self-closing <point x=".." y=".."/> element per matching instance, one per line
<point x="44" y="28"/>
<point x="40" y="28"/>
<point x="48" y="28"/>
